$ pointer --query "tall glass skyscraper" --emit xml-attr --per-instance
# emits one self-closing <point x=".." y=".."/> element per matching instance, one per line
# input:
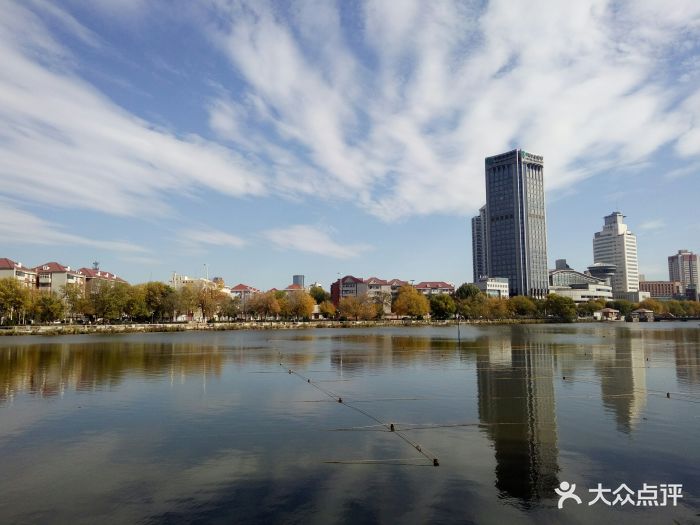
<point x="516" y="230"/>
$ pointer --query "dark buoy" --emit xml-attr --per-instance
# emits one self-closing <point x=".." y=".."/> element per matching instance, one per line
<point x="436" y="463"/>
<point x="668" y="395"/>
<point x="308" y="380"/>
<point x="391" y="427"/>
<point x="290" y="371"/>
<point x="563" y="377"/>
<point x="418" y="448"/>
<point x="340" y="400"/>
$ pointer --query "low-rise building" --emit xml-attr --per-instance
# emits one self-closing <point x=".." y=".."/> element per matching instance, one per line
<point x="607" y="314"/>
<point x="578" y="286"/>
<point x="435" y="287"/>
<point x="664" y="290"/>
<point x="346" y="287"/>
<point x="53" y="277"/>
<point x="243" y="291"/>
<point x="642" y="314"/>
<point x="16" y="270"/>
<point x="494" y="286"/>
<point x="96" y="275"/>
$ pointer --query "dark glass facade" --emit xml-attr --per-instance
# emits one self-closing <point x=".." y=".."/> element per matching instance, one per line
<point x="516" y="233"/>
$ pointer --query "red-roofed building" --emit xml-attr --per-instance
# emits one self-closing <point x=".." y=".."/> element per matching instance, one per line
<point x="92" y="274"/>
<point x="243" y="291"/>
<point x="293" y="288"/>
<point x="16" y="270"/>
<point x="435" y="287"/>
<point x="347" y="286"/>
<point x="52" y="277"/>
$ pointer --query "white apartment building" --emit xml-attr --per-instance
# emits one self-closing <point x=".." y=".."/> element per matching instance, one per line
<point x="53" y="277"/>
<point x="616" y="244"/>
<point x="493" y="286"/>
<point x="16" y="270"/>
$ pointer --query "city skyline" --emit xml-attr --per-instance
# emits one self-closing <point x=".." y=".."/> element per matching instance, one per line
<point x="158" y="139"/>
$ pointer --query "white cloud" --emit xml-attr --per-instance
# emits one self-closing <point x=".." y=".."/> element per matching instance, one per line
<point x="64" y="143"/>
<point x="655" y="224"/>
<point x="23" y="227"/>
<point x="211" y="237"/>
<point x="590" y="85"/>
<point x="305" y="238"/>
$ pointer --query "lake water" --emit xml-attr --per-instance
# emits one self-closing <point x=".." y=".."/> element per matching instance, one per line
<point x="211" y="427"/>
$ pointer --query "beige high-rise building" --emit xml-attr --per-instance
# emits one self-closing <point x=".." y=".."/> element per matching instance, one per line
<point x="683" y="267"/>
<point x="616" y="244"/>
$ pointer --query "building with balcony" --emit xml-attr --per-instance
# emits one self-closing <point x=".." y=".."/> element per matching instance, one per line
<point x="663" y="290"/>
<point x="435" y="287"/>
<point x="54" y="277"/>
<point x="616" y="245"/>
<point x="16" y="270"/>
<point x="683" y="267"/>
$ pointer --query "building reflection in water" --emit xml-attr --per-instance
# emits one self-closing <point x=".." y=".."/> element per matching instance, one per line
<point x="516" y="405"/>
<point x="622" y="374"/>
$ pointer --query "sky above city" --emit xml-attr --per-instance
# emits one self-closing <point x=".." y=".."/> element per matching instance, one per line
<point x="256" y="140"/>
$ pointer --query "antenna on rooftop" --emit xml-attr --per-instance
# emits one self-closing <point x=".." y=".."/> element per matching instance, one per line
<point x="95" y="265"/>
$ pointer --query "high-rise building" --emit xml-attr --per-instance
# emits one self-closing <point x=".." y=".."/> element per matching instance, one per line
<point x="683" y="267"/>
<point x="516" y="231"/>
<point x="479" y="244"/>
<point x="298" y="280"/>
<point x="616" y="244"/>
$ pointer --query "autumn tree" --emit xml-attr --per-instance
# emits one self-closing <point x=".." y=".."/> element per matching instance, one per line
<point x="327" y="309"/>
<point x="264" y="305"/>
<point x="300" y="305"/>
<point x="46" y="307"/>
<point x="357" y="307"/>
<point x="410" y="302"/>
<point x="231" y="307"/>
<point x="14" y="300"/>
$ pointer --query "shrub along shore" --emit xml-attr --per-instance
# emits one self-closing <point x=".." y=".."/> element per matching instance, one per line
<point x="74" y="329"/>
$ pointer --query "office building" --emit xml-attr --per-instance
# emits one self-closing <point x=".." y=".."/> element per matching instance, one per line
<point x="298" y="279"/>
<point x="616" y="244"/>
<point x="479" y="244"/>
<point x="683" y="267"/>
<point x="516" y="233"/>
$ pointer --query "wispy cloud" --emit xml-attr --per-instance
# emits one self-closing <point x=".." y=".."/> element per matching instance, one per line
<point x="211" y="237"/>
<point x="305" y="238"/>
<point x="64" y="143"/>
<point x="655" y="224"/>
<point x="403" y="127"/>
<point x="22" y="227"/>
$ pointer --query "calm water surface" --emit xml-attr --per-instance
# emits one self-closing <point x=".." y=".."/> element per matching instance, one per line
<point x="209" y="427"/>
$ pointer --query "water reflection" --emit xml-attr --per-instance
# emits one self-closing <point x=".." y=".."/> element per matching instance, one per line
<point x="622" y="373"/>
<point x="516" y="402"/>
<point x="251" y="447"/>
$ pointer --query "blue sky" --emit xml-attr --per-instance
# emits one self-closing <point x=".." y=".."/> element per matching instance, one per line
<point x="267" y="139"/>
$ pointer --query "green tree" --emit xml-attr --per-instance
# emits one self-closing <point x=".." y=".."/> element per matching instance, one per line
<point x="467" y="291"/>
<point x="231" y="307"/>
<point x="561" y="308"/>
<point x="161" y="300"/>
<point x="522" y="306"/>
<point x="410" y="302"/>
<point x="588" y="308"/>
<point x="319" y="294"/>
<point x="442" y="306"/>
<point x="186" y="301"/>
<point x="625" y="307"/>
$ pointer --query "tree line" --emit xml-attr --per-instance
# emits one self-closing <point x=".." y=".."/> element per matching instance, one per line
<point x="109" y="302"/>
